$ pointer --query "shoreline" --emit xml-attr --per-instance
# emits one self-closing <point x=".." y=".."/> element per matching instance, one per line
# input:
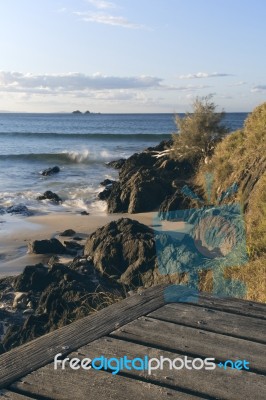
<point x="13" y="247"/>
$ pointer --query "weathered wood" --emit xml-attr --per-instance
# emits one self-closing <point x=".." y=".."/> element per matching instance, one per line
<point x="8" y="395"/>
<point x="191" y="341"/>
<point x="235" y="306"/>
<point x="24" y="359"/>
<point x="213" y="321"/>
<point x="80" y="385"/>
<point x="226" y="384"/>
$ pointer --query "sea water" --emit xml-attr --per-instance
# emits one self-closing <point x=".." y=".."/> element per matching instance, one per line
<point x="81" y="145"/>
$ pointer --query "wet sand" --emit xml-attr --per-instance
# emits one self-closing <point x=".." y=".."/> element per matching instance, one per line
<point x="17" y="232"/>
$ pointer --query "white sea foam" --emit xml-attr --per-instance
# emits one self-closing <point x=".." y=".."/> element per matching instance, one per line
<point x="86" y="155"/>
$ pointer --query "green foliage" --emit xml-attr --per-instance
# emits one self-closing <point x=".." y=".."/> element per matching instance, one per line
<point x="198" y="132"/>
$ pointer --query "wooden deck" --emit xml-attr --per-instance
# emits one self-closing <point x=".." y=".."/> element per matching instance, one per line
<point x="144" y="325"/>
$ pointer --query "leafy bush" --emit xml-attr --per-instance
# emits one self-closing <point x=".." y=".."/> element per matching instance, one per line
<point x="198" y="132"/>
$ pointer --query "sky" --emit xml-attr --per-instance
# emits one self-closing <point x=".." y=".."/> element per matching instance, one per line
<point x="123" y="56"/>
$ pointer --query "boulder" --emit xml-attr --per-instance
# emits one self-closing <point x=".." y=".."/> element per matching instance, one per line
<point x="104" y="194"/>
<point x="50" y="171"/>
<point x="107" y="182"/>
<point x="68" y="232"/>
<point x="116" y="164"/>
<point x="50" y="246"/>
<point x="48" y="195"/>
<point x="145" y="181"/>
<point x="19" y="209"/>
<point x="84" y="213"/>
<point x="62" y="295"/>
<point x="71" y="246"/>
<point x="174" y="202"/>
<point x="34" y="277"/>
<point x="124" y="248"/>
<point x="125" y="251"/>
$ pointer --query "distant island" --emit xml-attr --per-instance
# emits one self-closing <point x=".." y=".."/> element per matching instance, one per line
<point x="86" y="112"/>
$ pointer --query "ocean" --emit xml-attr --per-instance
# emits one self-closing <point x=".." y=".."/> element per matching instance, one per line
<point x="81" y="145"/>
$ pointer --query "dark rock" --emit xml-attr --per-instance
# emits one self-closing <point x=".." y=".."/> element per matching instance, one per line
<point x="116" y="164"/>
<point x="63" y="296"/>
<point x="19" y="209"/>
<point x="68" y="232"/>
<point x="34" y="277"/>
<point x="107" y="182"/>
<point x="48" y="195"/>
<point x="50" y="171"/>
<point x="125" y="251"/>
<point x="53" y="260"/>
<point x="52" y="246"/>
<point x="145" y="181"/>
<point x="104" y="194"/>
<point x="84" y="213"/>
<point x="73" y="247"/>
<point x="125" y="248"/>
<point x="176" y="201"/>
<point x="76" y="112"/>
<point x="78" y="238"/>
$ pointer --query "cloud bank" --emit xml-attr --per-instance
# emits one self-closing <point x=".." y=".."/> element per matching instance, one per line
<point x="107" y="19"/>
<point x="72" y="82"/>
<point x="200" y="75"/>
<point x="259" y="89"/>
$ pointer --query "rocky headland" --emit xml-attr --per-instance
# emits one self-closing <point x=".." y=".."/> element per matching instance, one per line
<point x="81" y="274"/>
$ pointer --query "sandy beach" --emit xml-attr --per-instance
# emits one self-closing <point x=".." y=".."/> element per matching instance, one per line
<point x="20" y="230"/>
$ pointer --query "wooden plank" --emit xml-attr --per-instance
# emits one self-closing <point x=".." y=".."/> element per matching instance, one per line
<point x="226" y="384"/>
<point x="194" y="342"/>
<point x="235" y="306"/>
<point x="81" y="384"/>
<point x="213" y="321"/>
<point x="24" y="359"/>
<point x="8" y="395"/>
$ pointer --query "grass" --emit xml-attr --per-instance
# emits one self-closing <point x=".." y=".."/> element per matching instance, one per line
<point x="241" y="158"/>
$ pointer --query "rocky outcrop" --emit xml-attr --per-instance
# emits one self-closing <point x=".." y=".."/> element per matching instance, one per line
<point x="125" y="250"/>
<point x="176" y="201"/>
<point x="57" y="296"/>
<point x="107" y="182"/>
<point x="19" y="209"/>
<point x="68" y="232"/>
<point x="116" y="164"/>
<point x="48" y="195"/>
<point x="51" y="246"/>
<point x="105" y="193"/>
<point x="145" y="181"/>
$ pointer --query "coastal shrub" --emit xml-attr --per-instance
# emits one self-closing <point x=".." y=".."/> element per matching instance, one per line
<point x="240" y="158"/>
<point x="198" y="132"/>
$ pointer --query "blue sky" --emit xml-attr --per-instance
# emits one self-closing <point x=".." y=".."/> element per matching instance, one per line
<point x="131" y="55"/>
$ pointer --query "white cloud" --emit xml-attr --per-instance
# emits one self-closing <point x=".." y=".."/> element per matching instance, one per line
<point x="108" y="20"/>
<point x="240" y="83"/>
<point x="188" y="88"/>
<point x="199" y="75"/>
<point x="258" y="89"/>
<point x="72" y="82"/>
<point x="101" y="4"/>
